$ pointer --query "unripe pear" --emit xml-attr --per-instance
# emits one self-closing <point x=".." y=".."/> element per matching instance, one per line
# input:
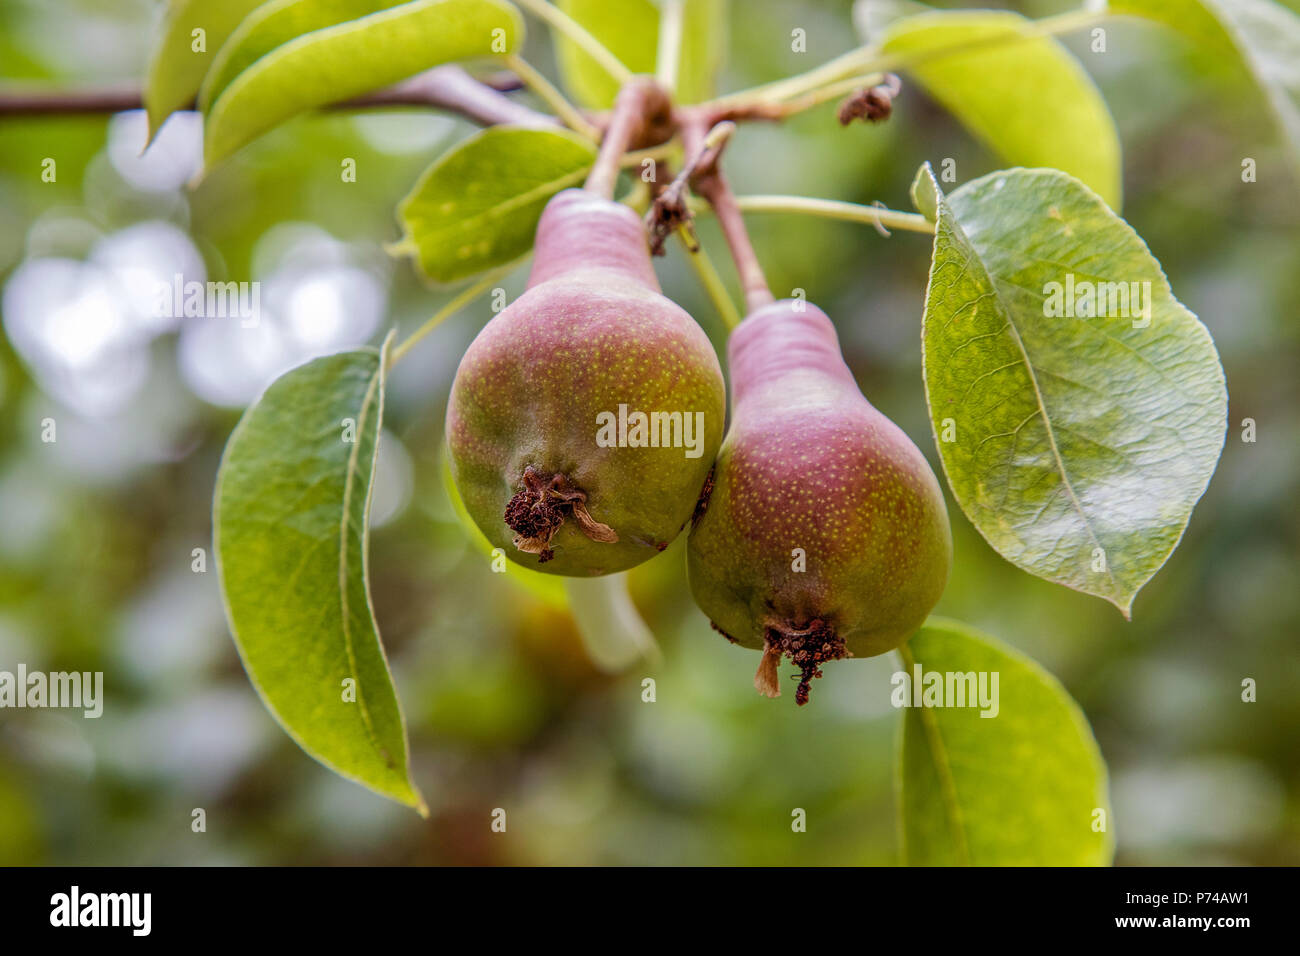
<point x="584" y="418"/>
<point x="825" y="534"/>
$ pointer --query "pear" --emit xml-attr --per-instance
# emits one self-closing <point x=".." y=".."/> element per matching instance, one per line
<point x="825" y="534"/>
<point x="585" y="417"/>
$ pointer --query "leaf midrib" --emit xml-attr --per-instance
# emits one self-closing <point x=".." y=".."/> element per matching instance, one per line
<point x="497" y="210"/>
<point x="972" y="257"/>
<point x="326" y="37"/>
<point x="348" y="484"/>
<point x="942" y="768"/>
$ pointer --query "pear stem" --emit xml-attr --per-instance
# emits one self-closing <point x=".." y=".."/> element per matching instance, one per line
<point x="642" y="106"/>
<point x="752" y="281"/>
<point x="708" y="181"/>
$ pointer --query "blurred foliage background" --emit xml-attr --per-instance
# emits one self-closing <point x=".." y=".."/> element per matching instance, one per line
<point x="505" y="710"/>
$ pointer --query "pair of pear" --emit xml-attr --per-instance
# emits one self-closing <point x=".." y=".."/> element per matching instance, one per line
<point x="820" y="531"/>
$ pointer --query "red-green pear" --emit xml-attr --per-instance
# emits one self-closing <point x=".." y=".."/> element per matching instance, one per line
<point x="585" y="417"/>
<point x="825" y="533"/>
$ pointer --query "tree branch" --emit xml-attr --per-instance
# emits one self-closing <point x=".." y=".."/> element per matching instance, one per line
<point x="451" y="88"/>
<point x="445" y="87"/>
<point x="15" y="101"/>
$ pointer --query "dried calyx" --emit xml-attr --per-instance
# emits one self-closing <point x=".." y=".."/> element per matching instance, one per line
<point x="808" y="647"/>
<point x="537" y="512"/>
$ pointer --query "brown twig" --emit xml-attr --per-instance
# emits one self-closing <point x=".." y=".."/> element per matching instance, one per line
<point x="445" y="87"/>
<point x="870" y="101"/>
<point x="18" y="101"/>
<point x="451" y="88"/>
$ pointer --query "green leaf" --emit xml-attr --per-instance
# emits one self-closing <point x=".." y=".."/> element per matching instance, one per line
<point x="630" y="29"/>
<point x="340" y="62"/>
<point x="1021" y="787"/>
<point x="1024" y="95"/>
<point x="271" y="26"/>
<point x="1262" y="35"/>
<point x="291" y="528"/>
<point x="477" y="207"/>
<point x="177" y="69"/>
<point x="1081" y="443"/>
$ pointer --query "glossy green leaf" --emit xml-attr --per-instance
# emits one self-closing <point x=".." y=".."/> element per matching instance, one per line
<point x="177" y="68"/>
<point x="1264" y="36"/>
<point x="477" y="207"/>
<point x="1076" y="443"/>
<point x="291" y="528"/>
<point x="340" y="62"/>
<point x="273" y="25"/>
<point x="1023" y="786"/>
<point x="1024" y="95"/>
<point x="630" y="29"/>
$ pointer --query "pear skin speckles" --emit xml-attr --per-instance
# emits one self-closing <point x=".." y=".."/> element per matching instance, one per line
<point x="528" y="393"/>
<point x="823" y="513"/>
